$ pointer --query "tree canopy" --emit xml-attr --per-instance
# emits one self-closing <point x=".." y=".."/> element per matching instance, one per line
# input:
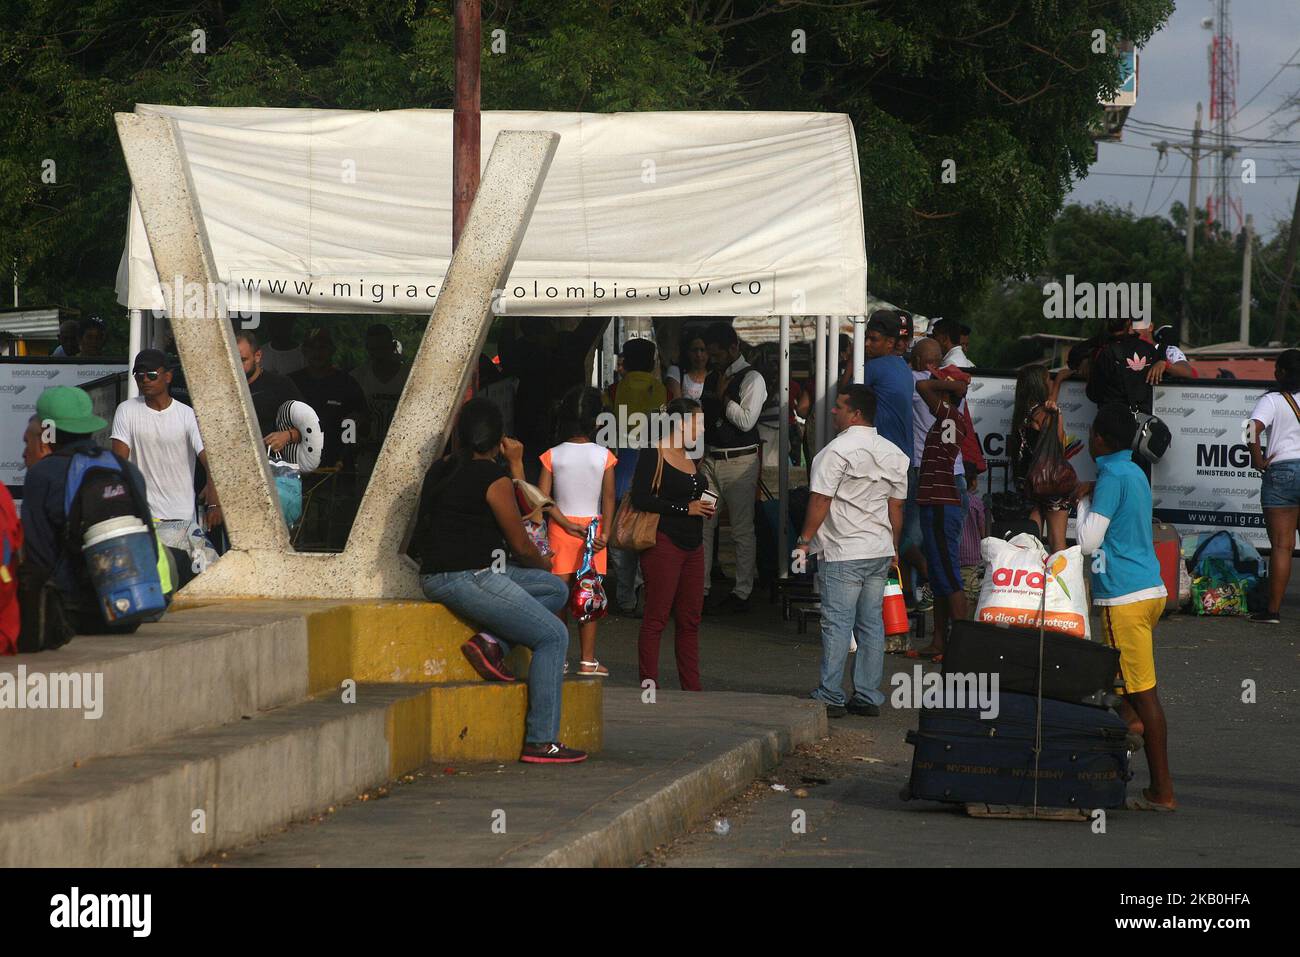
<point x="1007" y="90"/>
<point x="1108" y="244"/>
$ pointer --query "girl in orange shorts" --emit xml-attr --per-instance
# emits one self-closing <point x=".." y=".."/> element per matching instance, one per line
<point x="579" y="475"/>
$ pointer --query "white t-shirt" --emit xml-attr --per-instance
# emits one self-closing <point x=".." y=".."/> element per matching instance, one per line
<point x="859" y="471"/>
<point x="164" y="446"/>
<point x="579" y="469"/>
<point x="283" y="361"/>
<point x="690" y="388"/>
<point x="956" y="356"/>
<point x="1282" y="428"/>
<point x="922" y="420"/>
<point x="381" y="396"/>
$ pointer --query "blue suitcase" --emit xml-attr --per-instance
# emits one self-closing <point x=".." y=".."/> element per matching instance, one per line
<point x="963" y="758"/>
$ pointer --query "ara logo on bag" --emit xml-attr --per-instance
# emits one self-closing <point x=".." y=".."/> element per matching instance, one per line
<point x="1015" y="577"/>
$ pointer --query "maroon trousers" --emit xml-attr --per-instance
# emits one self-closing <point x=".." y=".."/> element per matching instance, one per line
<point x="674" y="583"/>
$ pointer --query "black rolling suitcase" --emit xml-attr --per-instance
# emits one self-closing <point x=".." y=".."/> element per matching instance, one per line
<point x="1074" y="669"/>
<point x="963" y="758"/>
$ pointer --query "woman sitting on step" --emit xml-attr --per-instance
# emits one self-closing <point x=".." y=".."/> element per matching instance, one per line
<point x="468" y="520"/>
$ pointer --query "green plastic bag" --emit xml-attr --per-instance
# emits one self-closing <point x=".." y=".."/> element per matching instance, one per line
<point x="1220" y="591"/>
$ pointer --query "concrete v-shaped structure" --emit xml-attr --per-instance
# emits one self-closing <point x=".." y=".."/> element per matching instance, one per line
<point x="262" y="562"/>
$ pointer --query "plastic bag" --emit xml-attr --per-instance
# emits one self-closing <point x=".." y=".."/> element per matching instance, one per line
<point x="587" y="601"/>
<point x="1013" y="590"/>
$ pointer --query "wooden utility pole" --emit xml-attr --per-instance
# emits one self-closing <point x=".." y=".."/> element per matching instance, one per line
<point x="1192" y="151"/>
<point x="1244" y="329"/>
<point x="465" y="123"/>
<point x="1288" y="271"/>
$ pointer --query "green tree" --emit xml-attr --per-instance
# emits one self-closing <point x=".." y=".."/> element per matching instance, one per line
<point x="1005" y="89"/>
<point x="1109" y="244"/>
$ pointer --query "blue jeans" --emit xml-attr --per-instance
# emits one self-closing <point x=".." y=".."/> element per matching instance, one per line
<point x="852" y="594"/>
<point x="1281" y="487"/>
<point x="517" y="606"/>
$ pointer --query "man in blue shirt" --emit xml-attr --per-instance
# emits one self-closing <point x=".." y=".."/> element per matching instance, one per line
<point x="1114" y="527"/>
<point x="890" y="378"/>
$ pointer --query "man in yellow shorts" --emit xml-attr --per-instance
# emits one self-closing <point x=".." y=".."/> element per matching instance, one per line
<point x="1114" y="527"/>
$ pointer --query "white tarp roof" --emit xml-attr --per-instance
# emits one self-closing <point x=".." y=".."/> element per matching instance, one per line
<point x="698" y="213"/>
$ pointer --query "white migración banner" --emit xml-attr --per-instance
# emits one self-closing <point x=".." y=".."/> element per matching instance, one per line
<point x="22" y="380"/>
<point x="721" y="214"/>
<point x="1204" y="483"/>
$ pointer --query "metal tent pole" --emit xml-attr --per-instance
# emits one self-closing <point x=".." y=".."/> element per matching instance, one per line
<point x="783" y="447"/>
<point x="819" y="386"/>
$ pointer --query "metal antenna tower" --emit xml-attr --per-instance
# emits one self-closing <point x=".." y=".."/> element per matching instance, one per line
<point x="1222" y="205"/>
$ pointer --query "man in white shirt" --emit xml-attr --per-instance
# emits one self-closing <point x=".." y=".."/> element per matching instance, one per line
<point x="733" y="398"/>
<point x="858" y="485"/>
<point x="160" y="436"/>
<point x="947" y="332"/>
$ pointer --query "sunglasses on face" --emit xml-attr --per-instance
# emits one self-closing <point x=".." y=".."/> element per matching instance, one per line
<point x="151" y="376"/>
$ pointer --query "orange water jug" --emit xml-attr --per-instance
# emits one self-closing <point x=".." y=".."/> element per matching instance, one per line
<point x="893" y="608"/>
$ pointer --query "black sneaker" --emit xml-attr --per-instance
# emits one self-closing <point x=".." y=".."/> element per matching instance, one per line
<point x="864" y="708"/>
<point x="1266" y="618"/>
<point x="832" y="710"/>
<point x="551" y="753"/>
<point x="732" y="605"/>
<point x="487" y="659"/>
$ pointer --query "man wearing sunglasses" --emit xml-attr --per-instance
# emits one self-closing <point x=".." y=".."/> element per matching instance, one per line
<point x="160" y="436"/>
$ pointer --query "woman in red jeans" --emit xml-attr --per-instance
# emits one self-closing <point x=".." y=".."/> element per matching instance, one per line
<point x="674" y="566"/>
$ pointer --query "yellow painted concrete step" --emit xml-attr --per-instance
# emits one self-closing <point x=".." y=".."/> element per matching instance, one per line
<point x="394" y="641"/>
<point x="483" y="721"/>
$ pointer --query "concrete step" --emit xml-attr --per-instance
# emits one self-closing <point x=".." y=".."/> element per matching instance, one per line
<point x="194" y="669"/>
<point x="249" y="777"/>
<point x="207" y="665"/>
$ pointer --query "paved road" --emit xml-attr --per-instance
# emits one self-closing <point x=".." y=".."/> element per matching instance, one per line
<point x="1234" y="764"/>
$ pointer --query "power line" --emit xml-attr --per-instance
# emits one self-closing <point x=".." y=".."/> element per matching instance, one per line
<point x="1162" y="158"/>
<point x="1170" y="196"/>
<point x="1140" y="175"/>
<point x="1266" y="85"/>
<point x="1165" y="129"/>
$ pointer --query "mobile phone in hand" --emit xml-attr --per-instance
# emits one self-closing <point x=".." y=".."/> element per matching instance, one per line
<point x="709" y="498"/>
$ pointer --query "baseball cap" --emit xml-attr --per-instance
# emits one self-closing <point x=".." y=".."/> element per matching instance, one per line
<point x="70" y="410"/>
<point x="884" y="322"/>
<point x="146" y="360"/>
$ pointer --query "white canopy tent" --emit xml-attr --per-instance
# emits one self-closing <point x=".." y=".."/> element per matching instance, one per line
<point x="660" y="214"/>
<point x="641" y="214"/>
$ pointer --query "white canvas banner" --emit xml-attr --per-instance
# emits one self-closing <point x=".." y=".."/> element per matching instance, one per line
<point x="663" y="214"/>
<point x="21" y="383"/>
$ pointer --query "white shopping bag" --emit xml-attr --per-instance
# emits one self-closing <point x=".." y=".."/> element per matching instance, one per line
<point x="1015" y="575"/>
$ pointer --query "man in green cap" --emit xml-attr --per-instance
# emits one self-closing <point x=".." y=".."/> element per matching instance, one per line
<point x="68" y="423"/>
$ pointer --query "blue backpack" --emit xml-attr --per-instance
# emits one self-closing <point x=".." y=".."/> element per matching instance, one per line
<point x="124" y="571"/>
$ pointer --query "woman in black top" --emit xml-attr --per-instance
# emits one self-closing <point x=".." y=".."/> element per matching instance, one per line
<point x="674" y="566"/>
<point x="468" y="519"/>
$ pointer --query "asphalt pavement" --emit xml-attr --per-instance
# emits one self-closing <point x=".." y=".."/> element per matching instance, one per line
<point x="1234" y="763"/>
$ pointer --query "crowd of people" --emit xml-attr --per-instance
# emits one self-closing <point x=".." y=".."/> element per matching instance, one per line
<point x="896" y="489"/>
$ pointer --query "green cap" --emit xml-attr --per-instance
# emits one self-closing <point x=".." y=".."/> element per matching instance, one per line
<point x="69" y="409"/>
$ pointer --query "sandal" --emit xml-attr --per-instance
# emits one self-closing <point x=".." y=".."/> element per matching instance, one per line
<point x="592" y="669"/>
<point x="1144" y="803"/>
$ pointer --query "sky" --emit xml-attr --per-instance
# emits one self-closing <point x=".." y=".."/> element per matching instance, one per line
<point x="1173" y="74"/>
